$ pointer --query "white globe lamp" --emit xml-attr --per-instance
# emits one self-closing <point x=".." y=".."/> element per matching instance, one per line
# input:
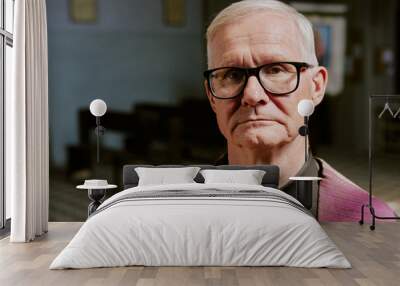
<point x="98" y="107"/>
<point x="305" y="107"/>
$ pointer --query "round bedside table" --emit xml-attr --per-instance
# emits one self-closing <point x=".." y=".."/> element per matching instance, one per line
<point x="96" y="192"/>
<point x="304" y="189"/>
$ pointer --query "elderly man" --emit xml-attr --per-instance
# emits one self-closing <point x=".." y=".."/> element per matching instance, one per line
<point x="262" y="62"/>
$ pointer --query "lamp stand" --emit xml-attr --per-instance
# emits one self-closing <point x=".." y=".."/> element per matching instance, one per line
<point x="306" y="138"/>
<point x="99" y="130"/>
<point x="303" y="131"/>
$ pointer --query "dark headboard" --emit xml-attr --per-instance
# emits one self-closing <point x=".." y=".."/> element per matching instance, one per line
<point x="270" y="179"/>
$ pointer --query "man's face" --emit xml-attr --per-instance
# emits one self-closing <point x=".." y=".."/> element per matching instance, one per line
<point x="257" y="119"/>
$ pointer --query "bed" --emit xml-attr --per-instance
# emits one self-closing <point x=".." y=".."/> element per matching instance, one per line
<point x="201" y="224"/>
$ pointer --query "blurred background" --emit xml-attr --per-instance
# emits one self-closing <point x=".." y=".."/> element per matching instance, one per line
<point x="145" y="60"/>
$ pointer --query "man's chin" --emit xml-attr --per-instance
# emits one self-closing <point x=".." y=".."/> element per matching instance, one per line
<point x="254" y="140"/>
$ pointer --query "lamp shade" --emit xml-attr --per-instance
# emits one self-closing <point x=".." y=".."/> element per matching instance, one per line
<point x="98" y="107"/>
<point x="305" y="107"/>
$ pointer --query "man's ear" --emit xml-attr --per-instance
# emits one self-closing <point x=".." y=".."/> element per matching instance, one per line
<point x="210" y="97"/>
<point x="320" y="81"/>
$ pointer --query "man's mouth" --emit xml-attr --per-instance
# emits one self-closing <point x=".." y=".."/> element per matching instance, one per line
<point x="248" y="121"/>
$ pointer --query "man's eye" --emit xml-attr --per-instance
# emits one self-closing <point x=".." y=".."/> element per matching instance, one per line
<point x="275" y="70"/>
<point x="234" y="75"/>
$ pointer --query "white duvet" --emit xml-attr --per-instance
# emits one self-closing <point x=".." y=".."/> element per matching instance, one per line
<point x="200" y="231"/>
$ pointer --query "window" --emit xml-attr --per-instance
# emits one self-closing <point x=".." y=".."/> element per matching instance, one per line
<point x="6" y="61"/>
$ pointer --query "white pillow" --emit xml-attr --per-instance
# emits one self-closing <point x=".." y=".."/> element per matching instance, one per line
<point x="249" y="177"/>
<point x="162" y="176"/>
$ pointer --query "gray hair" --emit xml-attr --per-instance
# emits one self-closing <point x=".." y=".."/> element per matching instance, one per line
<point x="246" y="7"/>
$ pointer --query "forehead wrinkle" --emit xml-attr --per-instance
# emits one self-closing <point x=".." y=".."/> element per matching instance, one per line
<point x="232" y="38"/>
<point x="255" y="50"/>
<point x="257" y="55"/>
<point x="251" y="59"/>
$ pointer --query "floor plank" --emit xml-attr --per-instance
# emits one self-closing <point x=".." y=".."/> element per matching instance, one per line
<point x="375" y="257"/>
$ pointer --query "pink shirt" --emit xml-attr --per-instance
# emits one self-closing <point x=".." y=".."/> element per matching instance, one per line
<point x="340" y="199"/>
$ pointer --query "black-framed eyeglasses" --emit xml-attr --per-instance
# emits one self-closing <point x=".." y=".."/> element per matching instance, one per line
<point x="279" y="78"/>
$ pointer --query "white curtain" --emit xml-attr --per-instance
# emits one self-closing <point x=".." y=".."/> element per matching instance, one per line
<point x="27" y="143"/>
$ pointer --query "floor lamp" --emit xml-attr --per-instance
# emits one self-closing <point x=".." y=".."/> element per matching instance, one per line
<point x="304" y="184"/>
<point x="305" y="108"/>
<point x="98" y="108"/>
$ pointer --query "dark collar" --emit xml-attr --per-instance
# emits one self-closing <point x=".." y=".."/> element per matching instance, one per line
<point x="309" y="169"/>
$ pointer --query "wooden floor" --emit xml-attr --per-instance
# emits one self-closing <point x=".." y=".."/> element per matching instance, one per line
<point x="374" y="255"/>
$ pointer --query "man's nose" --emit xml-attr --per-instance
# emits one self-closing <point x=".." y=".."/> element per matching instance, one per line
<point x="254" y="93"/>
